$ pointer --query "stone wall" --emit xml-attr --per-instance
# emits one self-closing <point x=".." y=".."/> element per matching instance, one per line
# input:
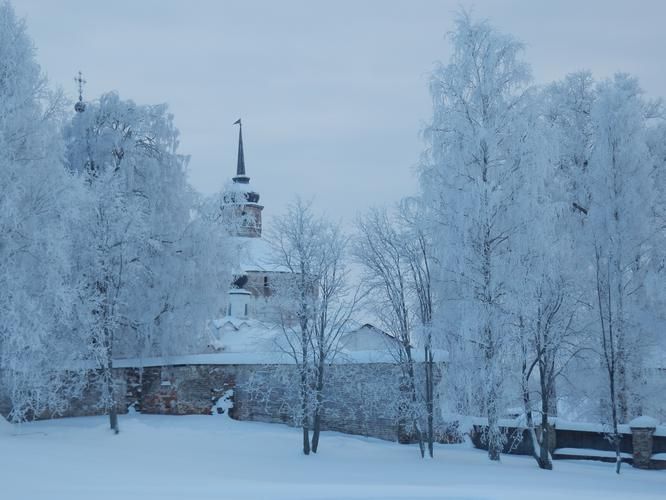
<point x="184" y="389"/>
<point x="362" y="399"/>
<point x="87" y="402"/>
<point x="358" y="399"/>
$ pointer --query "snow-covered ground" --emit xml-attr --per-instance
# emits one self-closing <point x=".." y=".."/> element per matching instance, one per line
<point x="204" y="457"/>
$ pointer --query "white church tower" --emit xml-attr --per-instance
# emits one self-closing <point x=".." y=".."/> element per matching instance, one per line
<point x="250" y="291"/>
<point x="241" y="202"/>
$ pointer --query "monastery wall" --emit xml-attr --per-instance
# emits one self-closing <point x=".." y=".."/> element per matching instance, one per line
<point x="360" y="398"/>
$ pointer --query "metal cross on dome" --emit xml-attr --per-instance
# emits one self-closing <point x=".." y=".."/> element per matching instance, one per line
<point x="80" y="106"/>
<point x="79" y="79"/>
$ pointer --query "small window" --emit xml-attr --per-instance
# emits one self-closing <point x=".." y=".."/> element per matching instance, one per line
<point x="266" y="281"/>
<point x="165" y="377"/>
<point x="245" y="309"/>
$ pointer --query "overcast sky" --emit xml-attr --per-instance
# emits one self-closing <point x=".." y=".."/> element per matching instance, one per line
<point x="332" y="94"/>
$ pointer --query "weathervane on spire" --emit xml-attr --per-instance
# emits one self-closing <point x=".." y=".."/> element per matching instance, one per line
<point x="80" y="106"/>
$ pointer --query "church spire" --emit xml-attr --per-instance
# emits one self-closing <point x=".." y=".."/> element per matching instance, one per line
<point x="240" y="165"/>
<point x="240" y="200"/>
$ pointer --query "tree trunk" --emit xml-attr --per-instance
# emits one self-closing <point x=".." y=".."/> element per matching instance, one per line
<point x="316" y="429"/>
<point x="113" y="420"/>
<point x="412" y="391"/>
<point x="552" y="399"/>
<point x="110" y="396"/>
<point x="544" y="455"/>
<point x="429" y="399"/>
<point x="318" y="404"/>
<point x="306" y="439"/>
<point x="111" y="400"/>
<point x="609" y="349"/>
<point x="304" y="410"/>
<point x="527" y="404"/>
<point x="305" y="383"/>
<point x="616" y="434"/>
<point x="494" y="432"/>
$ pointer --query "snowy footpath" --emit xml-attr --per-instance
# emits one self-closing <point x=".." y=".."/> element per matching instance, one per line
<point x="200" y="458"/>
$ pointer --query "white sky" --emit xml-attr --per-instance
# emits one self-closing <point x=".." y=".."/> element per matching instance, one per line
<point x="332" y="94"/>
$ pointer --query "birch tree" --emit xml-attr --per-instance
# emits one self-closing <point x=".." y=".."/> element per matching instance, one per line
<point x="417" y="244"/>
<point x="315" y="304"/>
<point x="473" y="171"/>
<point x="380" y="248"/>
<point x="546" y="293"/>
<point x="136" y="219"/>
<point x="39" y="351"/>
<point x="623" y="228"/>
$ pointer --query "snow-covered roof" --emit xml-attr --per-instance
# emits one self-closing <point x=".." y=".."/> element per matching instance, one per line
<point x="245" y="335"/>
<point x="644" y="422"/>
<point x="239" y="187"/>
<point x="259" y="340"/>
<point x="367" y="337"/>
<point x="252" y="358"/>
<point x="251" y="341"/>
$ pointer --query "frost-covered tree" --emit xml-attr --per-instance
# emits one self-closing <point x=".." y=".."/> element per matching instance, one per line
<point x="605" y="159"/>
<point x="314" y="303"/>
<point x="418" y="250"/>
<point x="334" y="303"/>
<point x="566" y="108"/>
<point x="472" y="174"/>
<point x="545" y="291"/>
<point x="391" y="264"/>
<point x="622" y="235"/>
<point x="144" y="252"/>
<point x="205" y="259"/>
<point x="561" y="181"/>
<point x="39" y="351"/>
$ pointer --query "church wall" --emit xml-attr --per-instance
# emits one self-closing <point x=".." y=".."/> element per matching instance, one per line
<point x="260" y="284"/>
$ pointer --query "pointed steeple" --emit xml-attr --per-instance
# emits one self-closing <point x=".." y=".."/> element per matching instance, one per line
<point x="240" y="200"/>
<point x="240" y="164"/>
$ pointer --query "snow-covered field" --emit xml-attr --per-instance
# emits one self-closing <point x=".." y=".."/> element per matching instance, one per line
<point x="201" y="457"/>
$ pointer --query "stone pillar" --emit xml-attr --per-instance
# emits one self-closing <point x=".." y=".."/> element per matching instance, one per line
<point x="642" y="429"/>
